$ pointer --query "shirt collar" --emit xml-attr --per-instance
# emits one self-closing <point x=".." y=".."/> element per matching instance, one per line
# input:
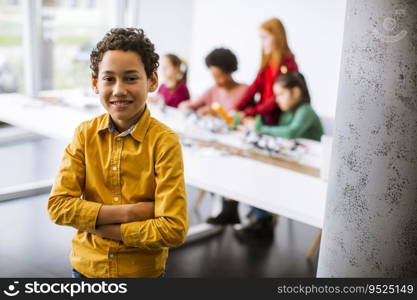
<point x="112" y="128"/>
<point x="137" y="131"/>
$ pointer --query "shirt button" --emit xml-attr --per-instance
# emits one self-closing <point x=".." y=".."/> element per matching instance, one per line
<point x="116" y="198"/>
<point x="114" y="168"/>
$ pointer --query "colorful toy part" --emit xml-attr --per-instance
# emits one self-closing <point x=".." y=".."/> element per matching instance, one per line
<point x="222" y="113"/>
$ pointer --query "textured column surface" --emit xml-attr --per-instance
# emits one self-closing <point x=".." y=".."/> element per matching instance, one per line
<point x="370" y="226"/>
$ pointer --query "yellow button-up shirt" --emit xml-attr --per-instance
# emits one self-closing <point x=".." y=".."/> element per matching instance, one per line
<point x="101" y="166"/>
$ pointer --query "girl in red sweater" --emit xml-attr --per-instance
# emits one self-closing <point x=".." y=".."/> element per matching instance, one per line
<point x="276" y="59"/>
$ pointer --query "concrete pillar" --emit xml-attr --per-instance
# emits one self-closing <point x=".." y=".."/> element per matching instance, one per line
<point x="370" y="226"/>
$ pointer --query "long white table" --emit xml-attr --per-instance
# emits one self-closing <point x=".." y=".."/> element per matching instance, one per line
<point x="284" y="190"/>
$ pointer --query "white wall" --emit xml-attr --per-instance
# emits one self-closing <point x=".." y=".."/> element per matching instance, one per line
<point x="168" y="24"/>
<point x="314" y="29"/>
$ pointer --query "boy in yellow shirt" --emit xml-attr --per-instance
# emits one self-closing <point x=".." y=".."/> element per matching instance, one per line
<point x="121" y="180"/>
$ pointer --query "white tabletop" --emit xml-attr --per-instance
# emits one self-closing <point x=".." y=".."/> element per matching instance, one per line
<point x="280" y="190"/>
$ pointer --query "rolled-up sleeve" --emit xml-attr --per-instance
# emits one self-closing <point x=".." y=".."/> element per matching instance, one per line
<point x="170" y="225"/>
<point x="65" y="203"/>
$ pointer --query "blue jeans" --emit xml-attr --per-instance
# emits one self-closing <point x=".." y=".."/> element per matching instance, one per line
<point x="76" y="274"/>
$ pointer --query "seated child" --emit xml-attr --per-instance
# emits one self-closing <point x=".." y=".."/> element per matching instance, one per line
<point x="121" y="179"/>
<point x="174" y="90"/>
<point x="298" y="120"/>
<point x="226" y="91"/>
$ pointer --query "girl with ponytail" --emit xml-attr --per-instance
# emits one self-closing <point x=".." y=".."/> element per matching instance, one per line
<point x="174" y="89"/>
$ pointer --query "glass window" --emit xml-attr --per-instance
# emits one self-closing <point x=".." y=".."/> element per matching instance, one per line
<point x="11" y="50"/>
<point x="70" y="29"/>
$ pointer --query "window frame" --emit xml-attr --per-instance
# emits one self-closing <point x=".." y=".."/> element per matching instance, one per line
<point x="31" y="37"/>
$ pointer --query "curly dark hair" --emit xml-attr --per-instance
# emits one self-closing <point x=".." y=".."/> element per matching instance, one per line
<point x="127" y="39"/>
<point x="223" y="59"/>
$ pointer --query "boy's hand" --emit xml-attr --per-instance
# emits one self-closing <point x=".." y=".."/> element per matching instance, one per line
<point x="140" y="211"/>
<point x="107" y="231"/>
<point x="125" y="213"/>
<point x="129" y="213"/>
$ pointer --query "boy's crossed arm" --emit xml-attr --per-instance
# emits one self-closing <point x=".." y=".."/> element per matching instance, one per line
<point x="110" y="217"/>
<point x="66" y="207"/>
<point x="125" y="213"/>
<point x="167" y="228"/>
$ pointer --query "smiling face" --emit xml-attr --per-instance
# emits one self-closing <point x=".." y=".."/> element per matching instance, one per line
<point x="123" y="86"/>
<point x="286" y="98"/>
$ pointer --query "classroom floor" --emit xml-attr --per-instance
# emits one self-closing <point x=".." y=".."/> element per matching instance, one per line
<point x="32" y="246"/>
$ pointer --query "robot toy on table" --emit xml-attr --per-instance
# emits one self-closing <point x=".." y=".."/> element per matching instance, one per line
<point x="273" y="146"/>
<point x="208" y="123"/>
